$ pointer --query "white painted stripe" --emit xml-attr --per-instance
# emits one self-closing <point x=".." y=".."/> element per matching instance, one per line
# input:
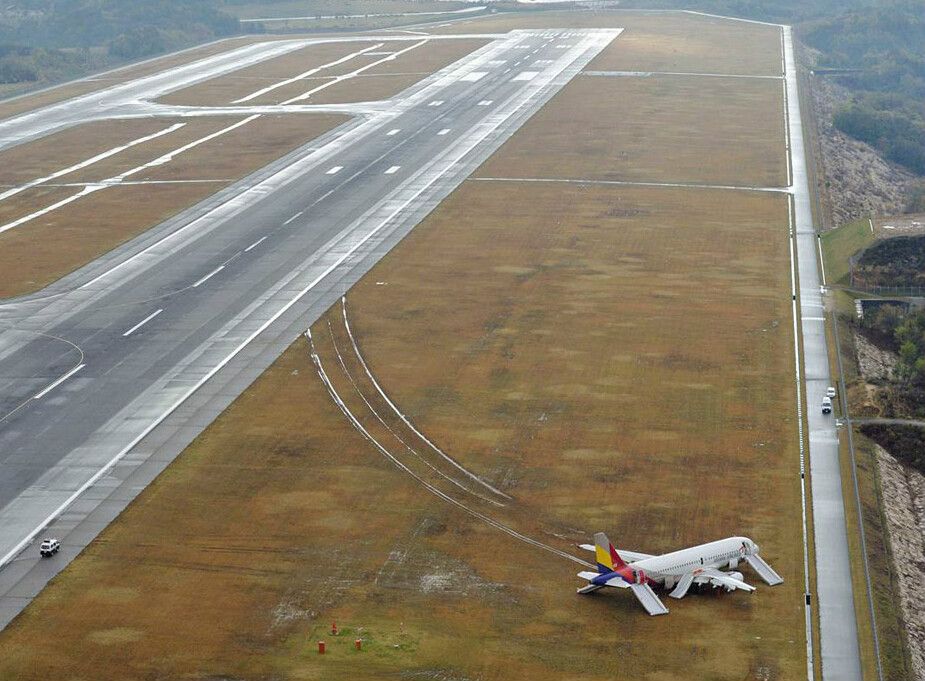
<point x="484" y="102"/>
<point x="296" y="215"/>
<point x="393" y="131"/>
<point x="255" y="244"/>
<point x="526" y="75"/>
<point x="303" y="75"/>
<point x="142" y="323"/>
<point x="334" y="170"/>
<point x="436" y="102"/>
<point x="392" y="170"/>
<point x="161" y="160"/>
<point x="474" y="76"/>
<point x="821" y="260"/>
<point x="444" y="131"/>
<point x="59" y="381"/>
<point x="55" y="206"/>
<point x="209" y="275"/>
<point x="169" y="156"/>
<point x="90" y="161"/>
<point x="352" y="74"/>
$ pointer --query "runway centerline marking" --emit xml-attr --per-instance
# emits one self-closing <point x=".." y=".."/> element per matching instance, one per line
<point x="334" y="170"/>
<point x="392" y="170"/>
<point x="61" y="380"/>
<point x="209" y="275"/>
<point x="255" y="244"/>
<point x="393" y="131"/>
<point x="484" y="102"/>
<point x="142" y="322"/>
<point x="444" y="131"/>
<point x="299" y="213"/>
<point x="436" y="102"/>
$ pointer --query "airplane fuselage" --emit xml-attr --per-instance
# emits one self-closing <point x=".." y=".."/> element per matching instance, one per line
<point x="723" y="553"/>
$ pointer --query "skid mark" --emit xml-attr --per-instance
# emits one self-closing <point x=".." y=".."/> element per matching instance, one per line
<point x="332" y="391"/>
<point x="407" y="446"/>
<point x="405" y="419"/>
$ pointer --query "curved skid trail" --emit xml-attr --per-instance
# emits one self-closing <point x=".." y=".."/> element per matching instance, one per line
<point x="375" y="413"/>
<point x="431" y="488"/>
<point x="404" y="418"/>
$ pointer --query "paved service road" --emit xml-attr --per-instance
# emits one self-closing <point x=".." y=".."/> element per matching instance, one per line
<point x="834" y="598"/>
<point x="171" y="328"/>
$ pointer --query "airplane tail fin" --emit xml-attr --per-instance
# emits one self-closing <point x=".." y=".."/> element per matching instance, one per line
<point x="606" y="555"/>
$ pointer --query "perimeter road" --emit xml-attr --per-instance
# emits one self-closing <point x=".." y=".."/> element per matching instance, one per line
<point x="834" y="598"/>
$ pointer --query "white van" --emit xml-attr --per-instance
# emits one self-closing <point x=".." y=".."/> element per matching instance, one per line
<point x="826" y="405"/>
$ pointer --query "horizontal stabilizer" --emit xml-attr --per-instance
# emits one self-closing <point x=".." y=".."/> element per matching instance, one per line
<point x="590" y="588"/>
<point x="683" y="585"/>
<point x="648" y="599"/>
<point x="765" y="571"/>
<point x="589" y="575"/>
<point x="628" y="556"/>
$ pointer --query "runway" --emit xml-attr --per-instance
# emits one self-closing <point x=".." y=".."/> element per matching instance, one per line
<point x="108" y="374"/>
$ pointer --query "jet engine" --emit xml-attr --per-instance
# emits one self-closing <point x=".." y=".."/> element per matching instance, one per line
<point x="734" y="575"/>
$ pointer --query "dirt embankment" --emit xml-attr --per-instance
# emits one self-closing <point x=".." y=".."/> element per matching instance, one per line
<point x="904" y="487"/>
<point x="856" y="182"/>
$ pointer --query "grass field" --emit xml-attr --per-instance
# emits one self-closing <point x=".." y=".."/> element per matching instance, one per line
<point x="379" y="82"/>
<point x="39" y="252"/>
<point x="838" y="247"/>
<point x="626" y="127"/>
<point x="607" y="357"/>
<point x="229" y="87"/>
<point x="663" y="42"/>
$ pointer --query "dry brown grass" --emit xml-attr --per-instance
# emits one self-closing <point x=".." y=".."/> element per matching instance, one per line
<point x="389" y="78"/>
<point x="534" y="333"/>
<point x="37" y="253"/>
<point x="657" y="129"/>
<point x="225" y="89"/>
<point x="663" y="42"/>
<point x="32" y="160"/>
<point x="380" y="82"/>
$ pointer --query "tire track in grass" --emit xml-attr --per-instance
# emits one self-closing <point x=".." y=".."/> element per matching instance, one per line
<point x="332" y="391"/>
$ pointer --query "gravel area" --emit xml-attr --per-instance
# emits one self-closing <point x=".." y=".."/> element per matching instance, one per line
<point x="905" y="514"/>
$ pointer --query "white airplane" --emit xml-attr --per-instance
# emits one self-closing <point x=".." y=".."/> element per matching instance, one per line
<point x="677" y="570"/>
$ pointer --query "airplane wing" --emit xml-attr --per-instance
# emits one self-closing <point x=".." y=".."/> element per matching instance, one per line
<point x="628" y="556"/>
<point x="648" y="599"/>
<point x="714" y="575"/>
<point x="765" y="571"/>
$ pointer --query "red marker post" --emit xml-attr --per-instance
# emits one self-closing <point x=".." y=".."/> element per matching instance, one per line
<point x="321" y="647"/>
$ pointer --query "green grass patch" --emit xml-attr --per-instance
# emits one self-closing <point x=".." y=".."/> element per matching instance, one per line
<point x="838" y="245"/>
